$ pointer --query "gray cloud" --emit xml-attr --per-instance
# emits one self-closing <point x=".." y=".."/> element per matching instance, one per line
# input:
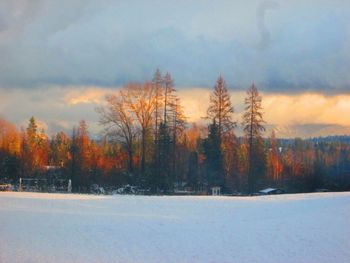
<point x="15" y="14"/>
<point x="303" y="45"/>
<point x="263" y="7"/>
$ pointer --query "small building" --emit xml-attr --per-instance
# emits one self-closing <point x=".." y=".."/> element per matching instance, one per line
<point x="271" y="191"/>
<point x="215" y="190"/>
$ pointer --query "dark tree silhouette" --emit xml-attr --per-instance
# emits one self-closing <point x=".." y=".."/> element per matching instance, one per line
<point x="253" y="128"/>
<point x="220" y="108"/>
<point x="214" y="159"/>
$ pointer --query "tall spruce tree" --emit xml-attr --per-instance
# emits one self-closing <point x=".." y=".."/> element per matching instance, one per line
<point x="253" y="129"/>
<point x="32" y="130"/>
<point x="168" y="96"/>
<point x="176" y="129"/>
<point x="220" y="108"/>
<point x="158" y="84"/>
<point x="213" y="154"/>
<point x="80" y="154"/>
<point x="220" y="111"/>
<point x="164" y="181"/>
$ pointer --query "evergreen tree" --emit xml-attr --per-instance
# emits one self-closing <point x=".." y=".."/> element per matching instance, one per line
<point x="59" y="149"/>
<point x="34" y="149"/>
<point x="164" y="180"/>
<point x="220" y="108"/>
<point x="221" y="111"/>
<point x="158" y="84"/>
<point x="177" y="128"/>
<point x="80" y="156"/>
<point x="168" y="96"/>
<point x="75" y="169"/>
<point x="213" y="154"/>
<point x="253" y="128"/>
<point x="32" y="131"/>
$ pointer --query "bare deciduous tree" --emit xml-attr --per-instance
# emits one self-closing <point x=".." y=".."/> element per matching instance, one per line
<point x="119" y="123"/>
<point x="141" y="101"/>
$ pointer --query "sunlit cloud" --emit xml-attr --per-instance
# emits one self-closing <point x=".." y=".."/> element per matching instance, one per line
<point x="308" y="108"/>
<point x="279" y="109"/>
<point x="60" y="108"/>
<point x="194" y="102"/>
<point x="87" y="95"/>
<point x="290" y="114"/>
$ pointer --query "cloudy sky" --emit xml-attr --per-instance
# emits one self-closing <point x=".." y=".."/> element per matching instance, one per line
<point x="60" y="58"/>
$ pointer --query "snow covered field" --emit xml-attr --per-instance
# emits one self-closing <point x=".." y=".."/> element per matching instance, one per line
<point x="37" y="227"/>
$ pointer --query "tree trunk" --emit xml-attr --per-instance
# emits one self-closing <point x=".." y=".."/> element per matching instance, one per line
<point x="143" y="151"/>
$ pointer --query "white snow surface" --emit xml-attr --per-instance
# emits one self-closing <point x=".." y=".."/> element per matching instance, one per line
<point x="36" y="227"/>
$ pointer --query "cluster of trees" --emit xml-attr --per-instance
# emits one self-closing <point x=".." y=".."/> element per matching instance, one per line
<point x="147" y="142"/>
<point x="147" y="121"/>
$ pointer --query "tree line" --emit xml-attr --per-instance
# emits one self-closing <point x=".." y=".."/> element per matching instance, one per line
<point x="148" y="142"/>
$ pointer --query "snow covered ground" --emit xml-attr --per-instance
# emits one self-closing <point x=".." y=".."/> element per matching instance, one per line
<point x="37" y="227"/>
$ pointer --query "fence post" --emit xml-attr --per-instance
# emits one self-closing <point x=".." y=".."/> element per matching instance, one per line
<point x="69" y="186"/>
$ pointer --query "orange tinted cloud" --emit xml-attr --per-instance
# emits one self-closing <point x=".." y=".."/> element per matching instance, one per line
<point x="279" y="109"/>
<point x="62" y="108"/>
<point x="195" y="101"/>
<point x="307" y="108"/>
<point x="86" y="95"/>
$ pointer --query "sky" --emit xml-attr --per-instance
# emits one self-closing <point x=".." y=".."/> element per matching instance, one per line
<point x="60" y="58"/>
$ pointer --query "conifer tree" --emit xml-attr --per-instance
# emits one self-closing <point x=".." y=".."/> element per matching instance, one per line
<point x="213" y="153"/>
<point x="32" y="131"/>
<point x="253" y="128"/>
<point x="34" y="148"/>
<point x="168" y="95"/>
<point x="80" y="151"/>
<point x="221" y="111"/>
<point x="164" y="181"/>
<point x="177" y="128"/>
<point x="220" y="108"/>
<point x="158" y="84"/>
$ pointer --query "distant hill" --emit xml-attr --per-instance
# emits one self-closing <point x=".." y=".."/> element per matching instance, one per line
<point x="330" y="139"/>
